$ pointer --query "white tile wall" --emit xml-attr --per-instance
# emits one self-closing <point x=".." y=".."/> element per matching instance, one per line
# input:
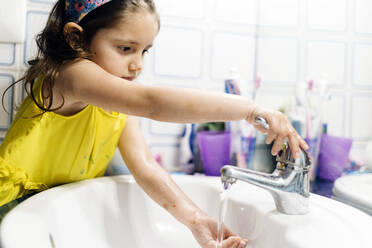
<point x="178" y="52"/>
<point x="361" y="118"/>
<point x="5" y="118"/>
<point x="169" y="154"/>
<point x="237" y="11"/>
<point x="327" y="15"/>
<point x="166" y="128"/>
<point x="335" y="115"/>
<point x="226" y="48"/>
<point x="278" y="59"/>
<point x="179" y="8"/>
<point x="282" y="13"/>
<point x="273" y="99"/>
<point x="43" y="1"/>
<point x="36" y="20"/>
<point x="362" y="64"/>
<point x="326" y="58"/>
<point x="201" y="39"/>
<point x="363" y="16"/>
<point x="12" y="28"/>
<point x="7" y="54"/>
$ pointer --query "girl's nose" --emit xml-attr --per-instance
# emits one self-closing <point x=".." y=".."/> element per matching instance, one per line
<point x="135" y="66"/>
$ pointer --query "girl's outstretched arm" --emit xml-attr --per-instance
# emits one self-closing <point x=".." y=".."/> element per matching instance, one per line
<point x="85" y="82"/>
<point x="159" y="185"/>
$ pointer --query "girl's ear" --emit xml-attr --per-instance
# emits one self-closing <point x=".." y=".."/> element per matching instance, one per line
<point x="73" y="35"/>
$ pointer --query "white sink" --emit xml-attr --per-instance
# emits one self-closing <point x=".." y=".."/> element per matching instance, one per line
<point x="114" y="212"/>
<point x="355" y="190"/>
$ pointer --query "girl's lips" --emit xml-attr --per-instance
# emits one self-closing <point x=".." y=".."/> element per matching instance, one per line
<point x="129" y="78"/>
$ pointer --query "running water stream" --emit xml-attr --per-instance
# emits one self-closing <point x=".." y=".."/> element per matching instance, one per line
<point x="222" y="213"/>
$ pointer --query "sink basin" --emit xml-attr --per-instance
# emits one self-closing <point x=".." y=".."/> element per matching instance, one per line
<point x="115" y="212"/>
<point x="355" y="190"/>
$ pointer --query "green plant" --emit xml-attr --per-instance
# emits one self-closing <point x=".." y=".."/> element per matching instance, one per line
<point x="212" y="126"/>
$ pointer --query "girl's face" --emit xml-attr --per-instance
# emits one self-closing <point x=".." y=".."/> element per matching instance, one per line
<point x="120" y="49"/>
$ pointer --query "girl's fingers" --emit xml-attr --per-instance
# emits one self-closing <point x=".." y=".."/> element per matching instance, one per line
<point x="227" y="232"/>
<point x="294" y="144"/>
<point x="270" y="138"/>
<point x="303" y="144"/>
<point x="278" y="145"/>
<point x="232" y="242"/>
<point x="245" y="242"/>
<point x="280" y="130"/>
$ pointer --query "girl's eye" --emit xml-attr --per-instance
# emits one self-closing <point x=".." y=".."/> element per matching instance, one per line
<point x="145" y="51"/>
<point x="124" y="48"/>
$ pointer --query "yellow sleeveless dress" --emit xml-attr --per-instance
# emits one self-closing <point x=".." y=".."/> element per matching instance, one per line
<point x="51" y="149"/>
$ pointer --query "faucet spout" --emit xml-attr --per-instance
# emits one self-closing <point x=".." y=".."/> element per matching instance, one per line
<point x="288" y="184"/>
<point x="268" y="181"/>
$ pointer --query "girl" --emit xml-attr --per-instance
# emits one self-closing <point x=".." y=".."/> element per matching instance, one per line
<point x="82" y="104"/>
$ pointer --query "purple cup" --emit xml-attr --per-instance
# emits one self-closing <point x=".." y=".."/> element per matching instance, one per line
<point x="215" y="150"/>
<point x="333" y="156"/>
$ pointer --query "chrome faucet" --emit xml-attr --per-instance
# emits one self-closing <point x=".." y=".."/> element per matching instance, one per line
<point x="288" y="184"/>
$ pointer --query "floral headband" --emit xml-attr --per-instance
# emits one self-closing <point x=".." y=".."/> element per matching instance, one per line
<point x="75" y="10"/>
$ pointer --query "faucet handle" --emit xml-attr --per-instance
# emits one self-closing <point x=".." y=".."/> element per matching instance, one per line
<point x="285" y="159"/>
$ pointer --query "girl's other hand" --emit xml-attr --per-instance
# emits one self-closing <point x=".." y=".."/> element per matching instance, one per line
<point x="205" y="228"/>
<point x="280" y="129"/>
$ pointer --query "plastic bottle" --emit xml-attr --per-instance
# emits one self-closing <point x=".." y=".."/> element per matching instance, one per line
<point x="231" y="83"/>
<point x="185" y="153"/>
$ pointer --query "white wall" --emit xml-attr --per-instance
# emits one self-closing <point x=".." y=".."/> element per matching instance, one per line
<point x="201" y="39"/>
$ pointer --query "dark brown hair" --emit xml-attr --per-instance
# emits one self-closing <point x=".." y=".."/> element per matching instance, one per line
<point x="54" y="48"/>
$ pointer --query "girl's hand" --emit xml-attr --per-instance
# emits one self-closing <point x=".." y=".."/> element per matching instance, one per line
<point x="205" y="228"/>
<point x="280" y="129"/>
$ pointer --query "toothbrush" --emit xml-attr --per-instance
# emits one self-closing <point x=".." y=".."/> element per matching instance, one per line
<point x="310" y="86"/>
